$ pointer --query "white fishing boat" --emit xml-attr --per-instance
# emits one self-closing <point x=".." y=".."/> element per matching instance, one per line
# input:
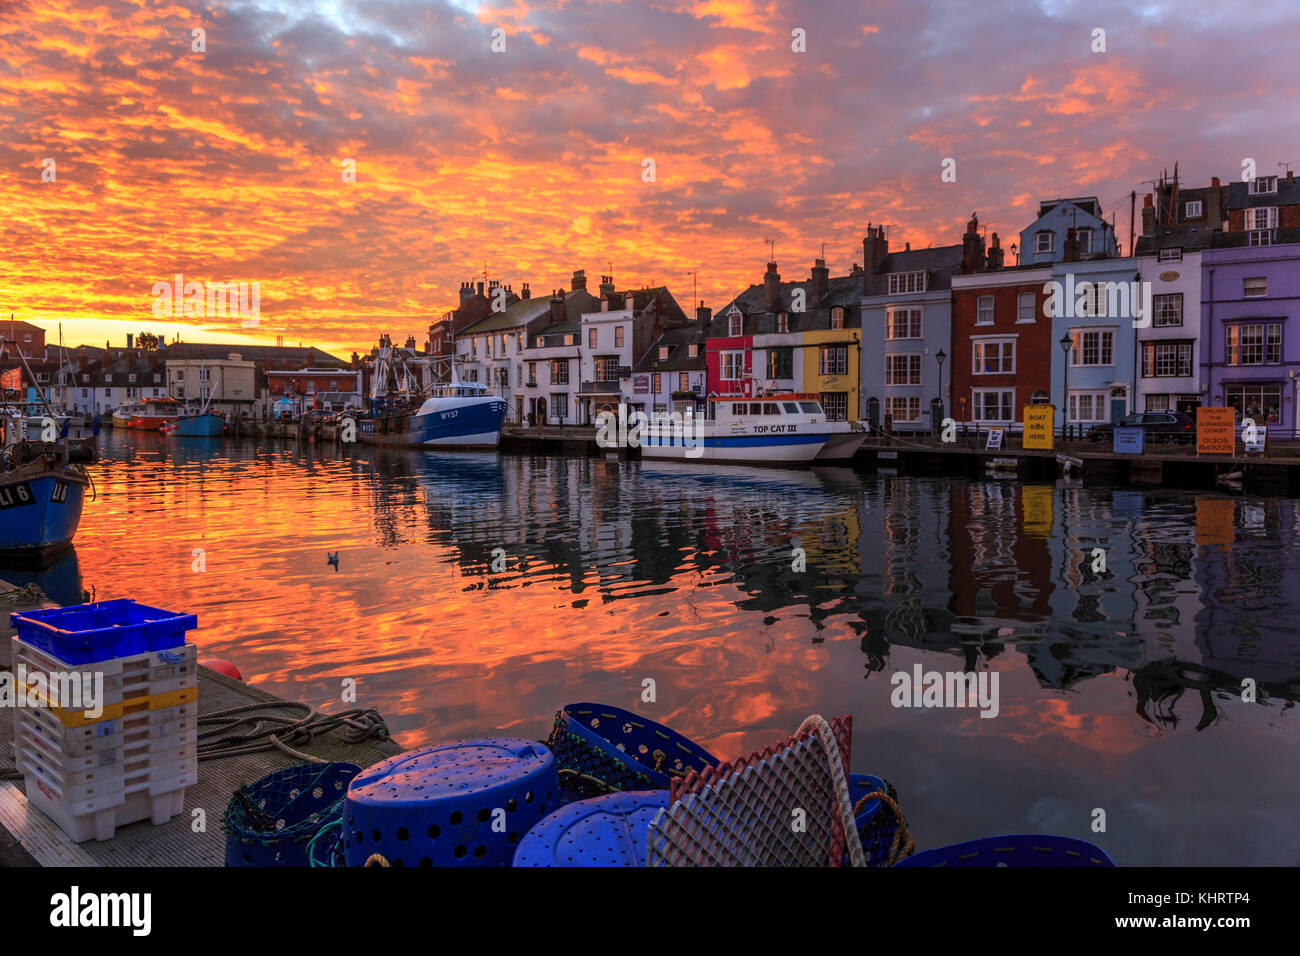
<point x="774" y="430"/>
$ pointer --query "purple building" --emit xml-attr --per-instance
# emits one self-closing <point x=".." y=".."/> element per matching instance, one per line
<point x="1250" y="327"/>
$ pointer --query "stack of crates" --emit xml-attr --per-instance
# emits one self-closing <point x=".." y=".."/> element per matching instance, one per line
<point x="131" y="760"/>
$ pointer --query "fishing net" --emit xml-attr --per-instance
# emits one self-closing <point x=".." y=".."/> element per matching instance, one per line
<point x="272" y="822"/>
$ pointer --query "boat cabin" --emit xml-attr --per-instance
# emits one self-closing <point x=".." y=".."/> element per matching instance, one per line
<point x="801" y="406"/>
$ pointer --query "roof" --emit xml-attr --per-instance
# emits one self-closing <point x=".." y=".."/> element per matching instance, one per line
<point x="843" y="291"/>
<point x="679" y="359"/>
<point x="513" y="316"/>
<point x="941" y="262"/>
<point x="1088" y="204"/>
<point x="1188" y="236"/>
<point x="253" y="353"/>
<point x="1288" y="194"/>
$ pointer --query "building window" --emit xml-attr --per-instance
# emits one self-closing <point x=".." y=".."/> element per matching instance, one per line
<point x="663" y="353"/>
<point x="1044" y="241"/>
<point x="733" y="366"/>
<point x="1193" y="209"/>
<point x="1096" y="347"/>
<point x="780" y="363"/>
<point x="1168" y="309"/>
<point x="683" y="382"/>
<point x="693" y="351"/>
<point x="783" y="321"/>
<point x="1172" y="254"/>
<point x="501" y="344"/>
<point x="1255" y="287"/>
<point x="1166" y="359"/>
<point x="903" y="409"/>
<point x="656" y="383"/>
<point x="1261" y="217"/>
<point x="1254" y="344"/>
<point x="205" y="374"/>
<point x="1026" y="307"/>
<point x="834" y="360"/>
<point x="1157" y="403"/>
<point x="560" y="406"/>
<point x="559" y="371"/>
<point x="836" y="406"/>
<point x="903" y="324"/>
<point x="130" y="378"/>
<point x="995" y="405"/>
<point x="1263" y="184"/>
<point x="903" y="369"/>
<point x="984" y="310"/>
<point x="591" y="337"/>
<point x="901" y="283"/>
<point x="1261" y="402"/>
<point x="607" y="368"/>
<point x="1088" y="407"/>
<point x="837" y="317"/>
<point x="1085" y="241"/>
<point x="1259" y="237"/>
<point x="532" y="373"/>
<point x="734" y="324"/>
<point x="571" y="339"/>
<point x="993" y="357"/>
<point x="618" y="336"/>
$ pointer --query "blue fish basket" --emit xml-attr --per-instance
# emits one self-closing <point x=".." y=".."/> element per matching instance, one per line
<point x="1014" y="849"/>
<point x="460" y="804"/>
<point x="88" y="633"/>
<point x="876" y="823"/>
<point x="611" y="830"/>
<point x="273" y="822"/>
<point x="621" y="750"/>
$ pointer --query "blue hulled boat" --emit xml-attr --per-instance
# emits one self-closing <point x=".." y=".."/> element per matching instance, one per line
<point x="202" y="425"/>
<point x="40" y="501"/>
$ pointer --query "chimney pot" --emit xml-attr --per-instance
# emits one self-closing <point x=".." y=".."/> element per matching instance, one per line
<point x="1214" y="180"/>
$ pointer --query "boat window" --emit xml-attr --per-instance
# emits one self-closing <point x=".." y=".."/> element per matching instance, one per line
<point x="770" y="408"/>
<point x="791" y="408"/>
<point x="811" y="407"/>
<point x="739" y="408"/>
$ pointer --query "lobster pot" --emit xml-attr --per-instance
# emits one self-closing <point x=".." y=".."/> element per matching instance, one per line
<point x="272" y="822"/>
<point x="604" y="831"/>
<point x="876" y="824"/>
<point x="620" y="749"/>
<point x="1014" y="849"/>
<point x="460" y="804"/>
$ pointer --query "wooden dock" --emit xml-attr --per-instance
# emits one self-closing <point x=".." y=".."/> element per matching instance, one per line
<point x="29" y="838"/>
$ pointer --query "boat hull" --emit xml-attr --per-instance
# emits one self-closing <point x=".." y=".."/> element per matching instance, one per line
<point x="39" y="511"/>
<point x="747" y="449"/>
<point x="841" y="446"/>
<point x="445" y="423"/>
<point x="197" y="426"/>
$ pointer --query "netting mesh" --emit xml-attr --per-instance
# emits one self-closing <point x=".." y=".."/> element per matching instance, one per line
<point x="589" y="770"/>
<point x="779" y="806"/>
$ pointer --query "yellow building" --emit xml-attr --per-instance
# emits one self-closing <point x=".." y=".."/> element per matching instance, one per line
<point x="832" y="364"/>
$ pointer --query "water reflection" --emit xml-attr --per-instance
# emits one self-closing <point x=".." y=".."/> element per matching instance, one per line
<point x="475" y="593"/>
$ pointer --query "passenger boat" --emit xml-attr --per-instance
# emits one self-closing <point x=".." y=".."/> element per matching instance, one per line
<point x="147" y="415"/>
<point x="845" y="440"/>
<point x="773" y="430"/>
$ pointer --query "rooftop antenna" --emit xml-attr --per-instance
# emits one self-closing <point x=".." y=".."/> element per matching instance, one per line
<point x="771" y="249"/>
<point x="695" y="276"/>
<point x="1286" y="167"/>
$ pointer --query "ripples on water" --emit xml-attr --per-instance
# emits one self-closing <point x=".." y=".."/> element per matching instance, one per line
<point x="1120" y="689"/>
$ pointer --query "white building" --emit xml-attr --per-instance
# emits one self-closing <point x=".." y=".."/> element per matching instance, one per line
<point x="1169" y="349"/>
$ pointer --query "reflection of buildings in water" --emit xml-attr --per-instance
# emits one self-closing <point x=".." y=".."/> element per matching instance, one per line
<point x="1166" y="597"/>
<point x="1248" y="624"/>
<point x="1001" y="566"/>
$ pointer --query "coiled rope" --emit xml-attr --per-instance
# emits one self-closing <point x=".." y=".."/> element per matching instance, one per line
<point x="254" y="728"/>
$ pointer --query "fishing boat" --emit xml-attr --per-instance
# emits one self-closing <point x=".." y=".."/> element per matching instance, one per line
<point x="196" y="423"/>
<point x="774" y="430"/>
<point x="406" y="411"/>
<point x="147" y="415"/>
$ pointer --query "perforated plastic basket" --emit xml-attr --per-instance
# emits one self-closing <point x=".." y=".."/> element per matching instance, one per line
<point x="460" y="804"/>
<point x="603" y="831"/>
<point x="621" y="749"/>
<point x="1014" y="849"/>
<point x="271" y="822"/>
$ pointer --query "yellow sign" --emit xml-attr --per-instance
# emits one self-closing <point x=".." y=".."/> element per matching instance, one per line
<point x="1038" y="426"/>
<point x="1216" y="432"/>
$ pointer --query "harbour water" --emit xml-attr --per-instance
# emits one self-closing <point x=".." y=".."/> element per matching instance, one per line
<point x="476" y="593"/>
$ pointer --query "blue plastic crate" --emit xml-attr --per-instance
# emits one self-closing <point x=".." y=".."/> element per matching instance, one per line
<point x="88" y="633"/>
<point x="1014" y="849"/>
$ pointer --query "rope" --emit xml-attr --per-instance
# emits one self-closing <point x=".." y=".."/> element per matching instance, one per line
<point x="30" y="593"/>
<point x="843" y="806"/>
<point x="377" y="859"/>
<point x="902" y="836"/>
<point x="272" y="731"/>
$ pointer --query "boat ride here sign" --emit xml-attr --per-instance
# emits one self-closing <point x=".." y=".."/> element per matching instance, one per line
<point x="1216" y="432"/>
<point x="1129" y="441"/>
<point x="1038" y="426"/>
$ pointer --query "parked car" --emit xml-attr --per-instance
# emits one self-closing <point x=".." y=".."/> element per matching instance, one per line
<point x="1158" y="428"/>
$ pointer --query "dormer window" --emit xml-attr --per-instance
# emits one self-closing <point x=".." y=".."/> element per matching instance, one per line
<point x="693" y="351"/>
<point x="1263" y="184"/>
<point x="734" y="324"/>
<point x="663" y="353"/>
<point x="783" y="321"/>
<point x="837" y="317"/>
<point x="1044" y="241"/>
<point x="1172" y="254"/>
<point x="1085" y="241"/>
<point x="901" y="283"/>
<point x="1194" y="209"/>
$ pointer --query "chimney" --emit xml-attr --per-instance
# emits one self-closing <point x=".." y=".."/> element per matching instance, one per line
<point x="525" y="292"/>
<point x="1290" y="176"/>
<point x="972" y="247"/>
<point x="821" y="281"/>
<point x="579" y="280"/>
<point x="629" y="300"/>
<point x="995" y="253"/>
<point x="772" y="288"/>
<point x="606" y="286"/>
<point x="1149" y="215"/>
<point x="1071" y="251"/>
<point x="874" y="249"/>
<point x="466" y="292"/>
<point x="410" y="342"/>
<point x="480" y="288"/>
<point x="703" y="315"/>
<point x="1214" y="180"/>
<point x="557" y="306"/>
<point x="129" y="339"/>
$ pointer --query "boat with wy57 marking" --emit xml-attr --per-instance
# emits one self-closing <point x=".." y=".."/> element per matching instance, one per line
<point x="773" y="430"/>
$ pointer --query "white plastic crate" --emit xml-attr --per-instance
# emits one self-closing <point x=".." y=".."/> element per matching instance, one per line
<point x="145" y="803"/>
<point x="124" y="678"/>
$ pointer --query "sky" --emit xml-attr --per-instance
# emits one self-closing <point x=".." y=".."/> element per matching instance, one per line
<point x="514" y="137"/>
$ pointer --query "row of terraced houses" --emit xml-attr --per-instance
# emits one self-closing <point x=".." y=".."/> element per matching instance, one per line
<point x="910" y="336"/>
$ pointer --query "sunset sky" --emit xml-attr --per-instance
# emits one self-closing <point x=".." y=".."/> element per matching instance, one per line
<point x="227" y="165"/>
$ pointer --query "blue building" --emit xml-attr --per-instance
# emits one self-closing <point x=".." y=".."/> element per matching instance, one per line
<point x="1043" y="241"/>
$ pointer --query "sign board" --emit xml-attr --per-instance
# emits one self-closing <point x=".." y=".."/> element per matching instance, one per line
<point x="887" y="455"/>
<point x="1216" y="432"/>
<point x="1259" y="434"/>
<point x="1038" y="426"/>
<point x="995" y="439"/>
<point x="641" y="384"/>
<point x="1129" y="441"/>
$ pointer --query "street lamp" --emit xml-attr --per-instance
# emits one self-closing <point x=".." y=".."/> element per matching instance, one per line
<point x="939" y="357"/>
<point x="1066" y="341"/>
